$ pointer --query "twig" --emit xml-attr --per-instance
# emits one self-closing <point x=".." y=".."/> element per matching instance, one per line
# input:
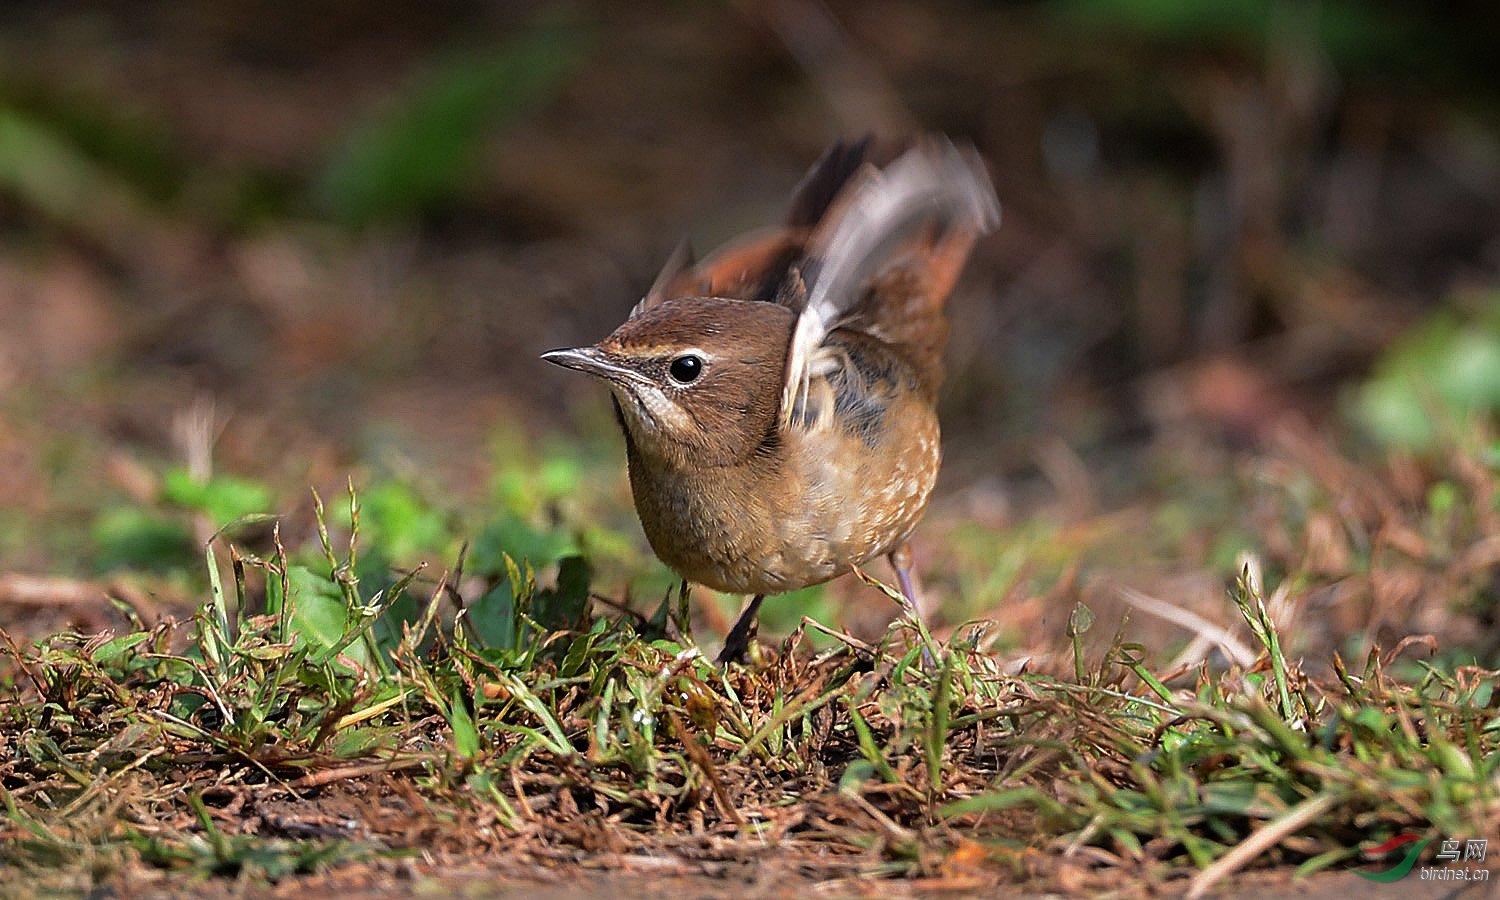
<point x="346" y="773"/>
<point x="1259" y="842"/>
<point x="1193" y="622"/>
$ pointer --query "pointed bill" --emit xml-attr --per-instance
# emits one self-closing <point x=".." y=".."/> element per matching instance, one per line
<point x="592" y="361"/>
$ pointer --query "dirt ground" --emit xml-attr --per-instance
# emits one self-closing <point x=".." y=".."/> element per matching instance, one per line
<point x="662" y="876"/>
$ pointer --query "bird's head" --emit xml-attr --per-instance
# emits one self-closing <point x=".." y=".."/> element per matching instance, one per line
<point x="697" y="381"/>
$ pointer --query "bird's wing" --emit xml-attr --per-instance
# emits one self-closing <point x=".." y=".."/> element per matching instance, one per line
<point x="748" y="268"/>
<point x="934" y="196"/>
<point x="753" y="266"/>
<point x="678" y="268"/>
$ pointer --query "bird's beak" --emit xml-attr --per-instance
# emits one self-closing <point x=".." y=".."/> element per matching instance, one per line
<point x="591" y="361"/>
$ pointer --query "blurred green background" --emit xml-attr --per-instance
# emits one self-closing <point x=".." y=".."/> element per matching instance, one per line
<point x="248" y="247"/>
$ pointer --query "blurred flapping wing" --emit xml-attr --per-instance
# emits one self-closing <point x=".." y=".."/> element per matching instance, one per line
<point x="916" y="218"/>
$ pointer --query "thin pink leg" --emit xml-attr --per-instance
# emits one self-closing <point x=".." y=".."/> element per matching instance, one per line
<point x="900" y="559"/>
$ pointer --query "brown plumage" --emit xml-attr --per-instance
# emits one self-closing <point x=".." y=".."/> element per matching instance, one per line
<point x="777" y="397"/>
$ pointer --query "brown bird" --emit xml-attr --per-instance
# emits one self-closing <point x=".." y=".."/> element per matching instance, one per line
<point x="778" y="397"/>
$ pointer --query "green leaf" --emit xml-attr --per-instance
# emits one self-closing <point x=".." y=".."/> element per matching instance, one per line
<point x="565" y="605"/>
<point x="493" y="617"/>
<point x="128" y="537"/>
<point x="318" y="611"/>
<point x="401" y="524"/>
<point x="420" y="150"/>
<point x="511" y="535"/>
<point x="465" y="735"/>
<point x="112" y="651"/>
<point x="215" y="634"/>
<point x="1391" y="410"/>
<point x="223" y="498"/>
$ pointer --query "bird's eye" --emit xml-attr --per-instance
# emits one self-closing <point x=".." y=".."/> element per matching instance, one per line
<point x="686" y="369"/>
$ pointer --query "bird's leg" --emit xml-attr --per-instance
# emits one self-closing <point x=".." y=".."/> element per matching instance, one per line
<point x="900" y="559"/>
<point x="737" y="642"/>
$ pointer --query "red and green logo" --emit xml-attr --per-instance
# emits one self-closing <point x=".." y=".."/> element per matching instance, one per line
<point x="1400" y="869"/>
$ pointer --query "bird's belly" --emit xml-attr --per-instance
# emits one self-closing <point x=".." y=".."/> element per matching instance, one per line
<point x="840" y="500"/>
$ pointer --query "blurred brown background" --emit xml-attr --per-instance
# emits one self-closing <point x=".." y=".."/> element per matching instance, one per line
<point x="303" y="234"/>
